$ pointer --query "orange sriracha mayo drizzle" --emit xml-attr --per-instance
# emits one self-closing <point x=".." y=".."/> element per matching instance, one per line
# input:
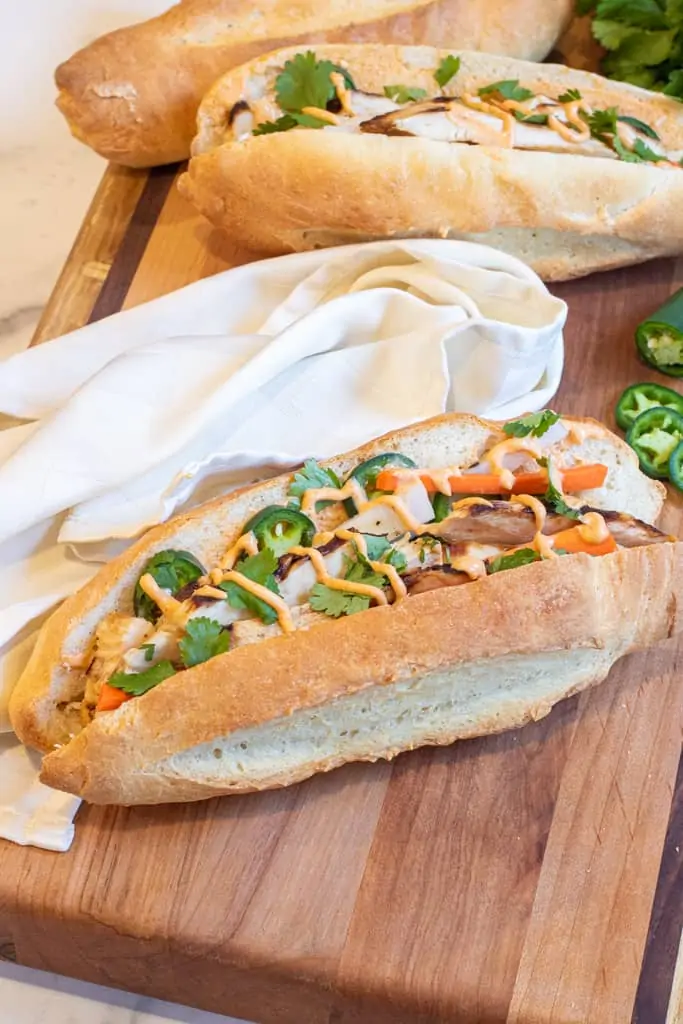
<point x="342" y="92"/>
<point x="540" y="543"/>
<point x="174" y="611"/>
<point x="278" y="604"/>
<point x="333" y="582"/>
<point x="352" y="489"/>
<point x="246" y="544"/>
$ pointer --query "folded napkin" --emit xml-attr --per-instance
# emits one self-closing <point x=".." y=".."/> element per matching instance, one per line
<point x="241" y="376"/>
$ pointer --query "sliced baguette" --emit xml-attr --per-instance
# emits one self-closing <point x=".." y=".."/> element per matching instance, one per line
<point x="132" y="95"/>
<point x="432" y="646"/>
<point x="564" y="214"/>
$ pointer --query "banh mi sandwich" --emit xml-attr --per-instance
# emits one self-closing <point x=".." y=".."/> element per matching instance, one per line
<point x="452" y="579"/>
<point x="132" y="95"/>
<point x="562" y="168"/>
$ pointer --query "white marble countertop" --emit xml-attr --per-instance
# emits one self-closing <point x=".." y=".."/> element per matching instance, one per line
<point x="46" y="183"/>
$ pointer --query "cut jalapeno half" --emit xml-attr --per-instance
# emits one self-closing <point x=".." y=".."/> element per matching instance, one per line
<point x="660" y="338"/>
<point x="653" y="436"/>
<point x="638" y="398"/>
<point x="172" y="570"/>
<point x="366" y="474"/>
<point x="280" y="529"/>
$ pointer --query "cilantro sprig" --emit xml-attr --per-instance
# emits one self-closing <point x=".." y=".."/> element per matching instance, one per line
<point x="336" y="603"/>
<point x="312" y="475"/>
<point x="508" y="89"/>
<point x="644" y="40"/>
<point x="260" y="569"/>
<point x="553" y="498"/>
<point x="204" y="638"/>
<point x="303" y="82"/>
<point x="137" y="683"/>
<point x="535" y="424"/>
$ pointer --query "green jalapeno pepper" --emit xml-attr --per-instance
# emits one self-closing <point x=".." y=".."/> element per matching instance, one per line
<point x="660" y="338"/>
<point x="280" y="528"/>
<point x="172" y="570"/>
<point x="366" y="474"/>
<point x="653" y="436"/>
<point x="676" y="466"/>
<point x="640" y="397"/>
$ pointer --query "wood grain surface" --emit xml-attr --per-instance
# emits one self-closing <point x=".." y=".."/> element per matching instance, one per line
<point x="528" y="878"/>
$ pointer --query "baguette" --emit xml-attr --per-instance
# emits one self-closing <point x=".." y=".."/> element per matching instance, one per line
<point x="440" y="665"/>
<point x="132" y="95"/>
<point x="439" y="168"/>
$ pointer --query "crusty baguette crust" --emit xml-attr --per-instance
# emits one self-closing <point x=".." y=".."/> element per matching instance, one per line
<point x="132" y="95"/>
<point x="565" y="215"/>
<point x="208" y="530"/>
<point x="614" y="604"/>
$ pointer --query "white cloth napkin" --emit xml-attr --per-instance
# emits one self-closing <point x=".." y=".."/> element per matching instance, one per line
<point x="240" y="376"/>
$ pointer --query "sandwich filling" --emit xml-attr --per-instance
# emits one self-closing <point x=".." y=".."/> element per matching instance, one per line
<point x="389" y="532"/>
<point x="311" y="94"/>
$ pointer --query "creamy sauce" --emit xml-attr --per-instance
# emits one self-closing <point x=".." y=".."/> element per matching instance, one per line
<point x="176" y="612"/>
<point x="246" y="544"/>
<point x="593" y="529"/>
<point x="580" y="432"/>
<point x="318" y="562"/>
<point x="495" y="457"/>
<point x="342" y="92"/>
<point x="352" y="489"/>
<point x="474" y="567"/>
<point x="540" y="543"/>
<point x="280" y="607"/>
<point x="209" y="591"/>
<point x="322" y="115"/>
<point x="476" y="103"/>
<point x="397" y="584"/>
<point x="466" y="502"/>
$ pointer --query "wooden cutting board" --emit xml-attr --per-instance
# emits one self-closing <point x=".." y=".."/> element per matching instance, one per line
<point x="529" y="878"/>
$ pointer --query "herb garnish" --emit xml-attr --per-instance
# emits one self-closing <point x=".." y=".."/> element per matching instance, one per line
<point x="524" y="556"/>
<point x="344" y="602"/>
<point x="303" y="82"/>
<point x="203" y="639"/>
<point x="404" y="93"/>
<point x="260" y="569"/>
<point x="535" y="424"/>
<point x="137" y="683"/>
<point x="508" y="89"/>
<point x="312" y="475"/>
<point x="446" y="70"/>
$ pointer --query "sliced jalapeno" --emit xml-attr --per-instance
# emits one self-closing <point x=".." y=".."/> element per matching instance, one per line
<point x="676" y="466"/>
<point x="660" y="338"/>
<point x="172" y="570"/>
<point x="280" y="529"/>
<point x="366" y="474"/>
<point x="640" y="397"/>
<point x="653" y="436"/>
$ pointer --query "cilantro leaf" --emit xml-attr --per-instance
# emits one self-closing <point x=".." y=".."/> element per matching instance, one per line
<point x="149" y="651"/>
<point x="260" y="569"/>
<point x="283" y="124"/>
<point x="627" y="155"/>
<point x="553" y="498"/>
<point x="524" y="556"/>
<point x="203" y="639"/>
<point x="530" y="118"/>
<point x="602" y="123"/>
<point x="611" y="34"/>
<point x="446" y="70"/>
<point x="536" y="424"/>
<point x="509" y="89"/>
<point x="646" y="48"/>
<point x="639" y="126"/>
<point x="380" y="550"/>
<point x="344" y="602"/>
<point x="569" y="96"/>
<point x="674" y="86"/>
<point x="639" y="13"/>
<point x="137" y="683"/>
<point x="404" y="93"/>
<point x="305" y="82"/>
<point x="312" y="475"/>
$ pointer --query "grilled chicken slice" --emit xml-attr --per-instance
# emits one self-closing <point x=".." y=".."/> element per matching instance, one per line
<point x="509" y="523"/>
<point x="434" y="577"/>
<point x="449" y="120"/>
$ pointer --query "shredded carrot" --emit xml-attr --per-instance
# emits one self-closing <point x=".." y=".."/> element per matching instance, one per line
<point x="576" y="478"/>
<point x="573" y="543"/>
<point x="110" y="698"/>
